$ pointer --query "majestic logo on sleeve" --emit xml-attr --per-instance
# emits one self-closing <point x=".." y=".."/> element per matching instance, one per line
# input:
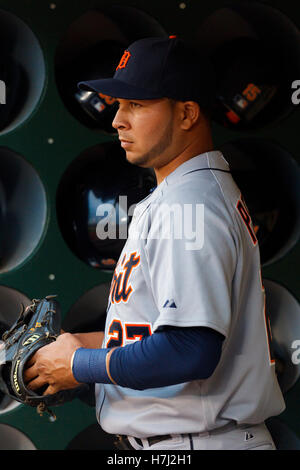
<point x="120" y="286"/>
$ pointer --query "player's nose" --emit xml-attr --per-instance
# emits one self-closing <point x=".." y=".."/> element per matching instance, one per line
<point x="120" y="121"/>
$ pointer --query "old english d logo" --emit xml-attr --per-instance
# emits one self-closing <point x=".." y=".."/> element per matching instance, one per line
<point x="124" y="59"/>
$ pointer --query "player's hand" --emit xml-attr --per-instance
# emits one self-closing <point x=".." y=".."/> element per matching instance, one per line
<point x="51" y="365"/>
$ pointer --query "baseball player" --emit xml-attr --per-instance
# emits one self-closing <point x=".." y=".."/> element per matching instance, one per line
<point x="185" y="361"/>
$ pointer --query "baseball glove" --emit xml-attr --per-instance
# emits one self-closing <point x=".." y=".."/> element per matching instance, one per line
<point x="38" y="325"/>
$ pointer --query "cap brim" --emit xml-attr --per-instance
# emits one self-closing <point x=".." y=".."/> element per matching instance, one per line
<point x="118" y="89"/>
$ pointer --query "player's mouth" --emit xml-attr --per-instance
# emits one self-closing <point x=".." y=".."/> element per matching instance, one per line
<point x="125" y="143"/>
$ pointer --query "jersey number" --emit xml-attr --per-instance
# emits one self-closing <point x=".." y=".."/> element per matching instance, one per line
<point x="118" y="334"/>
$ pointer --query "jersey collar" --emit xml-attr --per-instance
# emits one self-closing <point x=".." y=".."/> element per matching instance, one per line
<point x="213" y="159"/>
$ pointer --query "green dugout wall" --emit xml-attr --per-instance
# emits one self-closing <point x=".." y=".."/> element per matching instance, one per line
<point x="41" y="137"/>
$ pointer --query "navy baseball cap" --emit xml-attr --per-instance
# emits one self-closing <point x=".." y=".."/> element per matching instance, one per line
<point x="160" y="67"/>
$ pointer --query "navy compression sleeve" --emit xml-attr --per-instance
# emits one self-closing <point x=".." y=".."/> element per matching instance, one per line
<point x="168" y="357"/>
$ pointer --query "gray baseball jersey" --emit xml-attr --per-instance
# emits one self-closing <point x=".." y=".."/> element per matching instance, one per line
<point x="192" y="259"/>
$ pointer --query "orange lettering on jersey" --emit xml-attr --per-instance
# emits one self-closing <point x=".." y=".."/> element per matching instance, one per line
<point x="243" y="211"/>
<point x="120" y="290"/>
<point x="124" y="59"/>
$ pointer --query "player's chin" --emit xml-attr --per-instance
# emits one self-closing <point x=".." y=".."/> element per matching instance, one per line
<point x="129" y="157"/>
<point x="138" y="159"/>
<point x="135" y="159"/>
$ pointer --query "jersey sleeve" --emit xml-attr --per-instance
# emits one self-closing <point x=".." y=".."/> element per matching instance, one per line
<point x="191" y="257"/>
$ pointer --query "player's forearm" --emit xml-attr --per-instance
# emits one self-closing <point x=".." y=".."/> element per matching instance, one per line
<point x="91" y="340"/>
<point x="161" y="360"/>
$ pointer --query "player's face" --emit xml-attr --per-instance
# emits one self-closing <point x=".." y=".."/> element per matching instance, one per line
<point x="146" y="131"/>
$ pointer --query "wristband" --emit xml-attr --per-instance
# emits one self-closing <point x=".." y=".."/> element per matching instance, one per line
<point x="89" y="365"/>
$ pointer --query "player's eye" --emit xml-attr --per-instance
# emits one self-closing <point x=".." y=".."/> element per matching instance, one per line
<point x="133" y="104"/>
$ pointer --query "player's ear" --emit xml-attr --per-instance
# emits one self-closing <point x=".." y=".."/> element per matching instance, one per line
<point x="190" y="114"/>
